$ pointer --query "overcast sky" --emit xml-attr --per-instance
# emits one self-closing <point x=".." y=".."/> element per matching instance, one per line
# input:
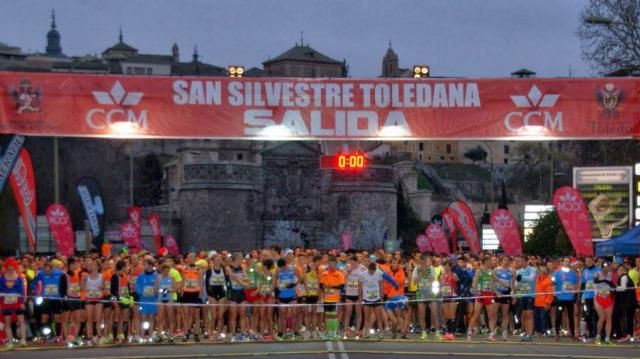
<point x="473" y="38"/>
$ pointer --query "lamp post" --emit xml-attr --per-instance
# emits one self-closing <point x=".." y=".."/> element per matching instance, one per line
<point x="491" y="170"/>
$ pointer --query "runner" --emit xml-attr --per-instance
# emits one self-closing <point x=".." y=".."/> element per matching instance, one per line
<point x="525" y="289"/>
<point x="370" y="288"/>
<point x="93" y="285"/>
<point x="604" y="302"/>
<point x="148" y="296"/>
<point x="13" y="301"/>
<point x="121" y="299"/>
<point x="448" y="287"/>
<point x="503" y="282"/>
<point x="237" y="312"/>
<point x="352" y="294"/>
<point x="482" y="287"/>
<point x="566" y="283"/>
<point x="396" y="306"/>
<point x="73" y="304"/>
<point x="167" y="288"/>
<point x="332" y="281"/>
<point x="216" y="288"/>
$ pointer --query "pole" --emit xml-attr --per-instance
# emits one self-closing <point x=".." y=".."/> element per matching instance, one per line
<point x="131" y="179"/>
<point x="56" y="171"/>
<point x="551" y="173"/>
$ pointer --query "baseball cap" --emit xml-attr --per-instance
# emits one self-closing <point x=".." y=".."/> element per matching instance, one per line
<point x="287" y="252"/>
<point x="211" y="254"/>
<point x="618" y="260"/>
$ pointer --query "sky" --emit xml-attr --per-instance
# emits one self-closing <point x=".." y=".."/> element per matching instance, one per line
<point x="470" y="38"/>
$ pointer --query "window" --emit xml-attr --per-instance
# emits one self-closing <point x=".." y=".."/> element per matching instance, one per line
<point x="149" y="71"/>
<point x="506" y="161"/>
<point x="239" y="156"/>
<point x="420" y="157"/>
<point x="429" y="158"/>
<point x="139" y="70"/>
<point x="129" y="70"/>
<point x="441" y="158"/>
<point x="421" y="146"/>
<point x="448" y="148"/>
<point x="506" y="149"/>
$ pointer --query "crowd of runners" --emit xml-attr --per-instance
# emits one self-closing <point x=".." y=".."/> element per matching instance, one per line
<point x="287" y="294"/>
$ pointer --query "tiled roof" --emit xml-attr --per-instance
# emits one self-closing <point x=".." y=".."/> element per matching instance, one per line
<point x="302" y="53"/>
<point x="121" y="46"/>
<point x="150" y="59"/>
<point x="197" y="68"/>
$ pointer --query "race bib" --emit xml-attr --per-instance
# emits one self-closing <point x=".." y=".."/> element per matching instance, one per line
<point x="191" y="283"/>
<point x="216" y="281"/>
<point x="567" y="287"/>
<point x="590" y="285"/>
<point x="446" y="290"/>
<point x="11" y="298"/>
<point x="51" y="289"/>
<point x="524" y="288"/>
<point x="74" y="290"/>
<point x="124" y="291"/>
<point x="372" y="295"/>
<point x="265" y="289"/>
<point x="148" y="291"/>
<point x="94" y="293"/>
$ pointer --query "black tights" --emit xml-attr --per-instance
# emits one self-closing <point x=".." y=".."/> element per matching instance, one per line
<point x="568" y="307"/>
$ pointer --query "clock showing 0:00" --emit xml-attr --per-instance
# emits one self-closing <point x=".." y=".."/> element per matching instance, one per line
<point x="355" y="161"/>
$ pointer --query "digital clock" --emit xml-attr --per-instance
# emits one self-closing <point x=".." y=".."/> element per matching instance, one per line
<point x="354" y="161"/>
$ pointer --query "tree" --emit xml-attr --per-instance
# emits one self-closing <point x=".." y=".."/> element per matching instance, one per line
<point x="409" y="225"/>
<point x="476" y="154"/>
<point x="149" y="185"/>
<point x="532" y="162"/>
<point x="548" y="238"/>
<point x="344" y="68"/>
<point x="613" y="46"/>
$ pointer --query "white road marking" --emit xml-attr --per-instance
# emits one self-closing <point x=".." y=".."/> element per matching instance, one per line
<point x="330" y="349"/>
<point x="343" y="355"/>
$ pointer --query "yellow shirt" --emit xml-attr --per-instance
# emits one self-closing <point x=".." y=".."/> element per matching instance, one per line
<point x="177" y="278"/>
<point x="635" y="276"/>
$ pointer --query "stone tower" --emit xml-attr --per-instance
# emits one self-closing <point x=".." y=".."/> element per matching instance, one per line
<point x="175" y="53"/>
<point x="390" y="63"/>
<point x="54" y="47"/>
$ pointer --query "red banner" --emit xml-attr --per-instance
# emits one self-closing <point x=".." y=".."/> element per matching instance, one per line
<point x="135" y="215"/>
<point x="274" y="108"/>
<point x="437" y="238"/>
<point x="154" y="223"/>
<point x="130" y="234"/>
<point x="463" y="218"/>
<point x="23" y="185"/>
<point x="346" y="239"/>
<point x="61" y="228"/>
<point x="507" y="231"/>
<point x="451" y="227"/>
<point x="423" y="243"/>
<point x="171" y="245"/>
<point x="574" y="217"/>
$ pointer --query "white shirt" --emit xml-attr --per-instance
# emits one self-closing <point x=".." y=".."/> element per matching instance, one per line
<point x="371" y="286"/>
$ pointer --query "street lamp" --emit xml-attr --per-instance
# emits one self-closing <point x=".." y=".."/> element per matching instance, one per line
<point x="421" y="71"/>
<point x="236" y="71"/>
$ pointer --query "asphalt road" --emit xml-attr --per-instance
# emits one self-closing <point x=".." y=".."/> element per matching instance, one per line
<point x="337" y="350"/>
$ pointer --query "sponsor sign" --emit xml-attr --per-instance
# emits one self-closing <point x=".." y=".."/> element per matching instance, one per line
<point x="507" y="231"/>
<point x="61" y="228"/>
<point x="23" y="185"/>
<point x="91" y="199"/>
<point x="608" y="195"/>
<point x="574" y="217"/>
<point x="276" y="108"/>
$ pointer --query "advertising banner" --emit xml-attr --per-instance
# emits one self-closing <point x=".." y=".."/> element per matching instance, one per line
<point x="91" y="199"/>
<point x="274" y="108"/>
<point x="423" y="243"/>
<point x="450" y="227"/>
<point x="154" y="223"/>
<point x="507" y="231"/>
<point x="61" y="228"/>
<point x="10" y="147"/>
<point x="135" y="215"/>
<point x="437" y="239"/>
<point x="466" y="224"/>
<point x="130" y="234"/>
<point x="171" y="244"/>
<point x="23" y="185"/>
<point x="607" y="192"/>
<point x="574" y="217"/>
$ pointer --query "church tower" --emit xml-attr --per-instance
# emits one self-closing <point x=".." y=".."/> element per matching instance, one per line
<point x="175" y="53"/>
<point x="53" y="38"/>
<point x="390" y="63"/>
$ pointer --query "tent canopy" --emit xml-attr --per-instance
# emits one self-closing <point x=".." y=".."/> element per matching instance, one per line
<point x="627" y="244"/>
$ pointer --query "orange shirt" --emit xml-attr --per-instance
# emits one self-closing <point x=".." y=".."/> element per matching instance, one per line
<point x="331" y="280"/>
<point x="191" y="280"/>
<point x="73" y="284"/>
<point x="398" y="276"/>
<point x="106" y="277"/>
<point x="543" y="285"/>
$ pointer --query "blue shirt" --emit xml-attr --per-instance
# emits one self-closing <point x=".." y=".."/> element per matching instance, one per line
<point x="51" y="283"/>
<point x="565" y="282"/>
<point x="145" y="287"/>
<point x="286" y="284"/>
<point x="504" y="276"/>
<point x="15" y="291"/>
<point x="526" y="286"/>
<point x="588" y="275"/>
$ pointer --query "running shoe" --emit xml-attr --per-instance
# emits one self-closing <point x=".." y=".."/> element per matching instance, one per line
<point x="437" y="336"/>
<point x="607" y="341"/>
<point x="491" y="337"/>
<point x="10" y="346"/>
<point x="598" y="341"/>
<point x="423" y="336"/>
